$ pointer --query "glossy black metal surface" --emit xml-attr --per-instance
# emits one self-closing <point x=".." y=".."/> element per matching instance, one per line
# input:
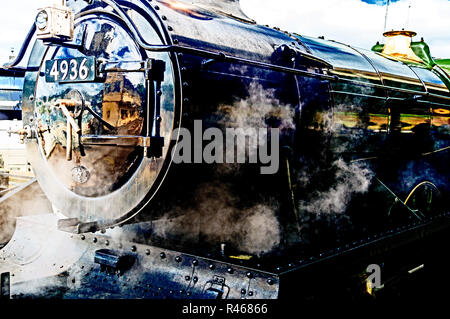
<point x="347" y="118"/>
<point x="356" y="93"/>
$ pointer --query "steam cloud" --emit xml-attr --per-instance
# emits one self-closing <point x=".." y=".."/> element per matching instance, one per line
<point x="353" y="178"/>
<point x="29" y="201"/>
<point x="218" y="219"/>
<point x="218" y="216"/>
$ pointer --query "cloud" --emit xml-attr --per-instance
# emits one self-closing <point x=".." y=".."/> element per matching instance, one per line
<point x="357" y="22"/>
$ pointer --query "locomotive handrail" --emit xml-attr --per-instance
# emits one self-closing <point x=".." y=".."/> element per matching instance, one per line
<point x="23" y="49"/>
<point x="220" y="56"/>
<point x="365" y="57"/>
<point x="223" y="57"/>
<point x="200" y="52"/>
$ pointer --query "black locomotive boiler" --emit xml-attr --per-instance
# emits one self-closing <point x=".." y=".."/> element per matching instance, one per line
<point x="114" y="89"/>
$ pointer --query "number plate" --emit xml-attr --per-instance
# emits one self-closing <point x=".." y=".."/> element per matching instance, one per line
<point x="70" y="70"/>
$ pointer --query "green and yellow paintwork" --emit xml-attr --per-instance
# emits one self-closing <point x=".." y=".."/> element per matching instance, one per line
<point x="444" y="64"/>
<point x="422" y="50"/>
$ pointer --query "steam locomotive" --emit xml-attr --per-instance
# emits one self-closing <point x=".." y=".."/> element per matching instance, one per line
<point x="114" y="90"/>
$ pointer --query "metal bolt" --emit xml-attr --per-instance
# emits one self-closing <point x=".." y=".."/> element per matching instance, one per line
<point x="249" y="275"/>
<point x="187" y="278"/>
<point x="94" y="240"/>
<point x="230" y="270"/>
<point x="270" y="281"/>
<point x="162" y="255"/>
<point x="250" y="293"/>
<point x="147" y="252"/>
<point x="243" y="291"/>
<point x="178" y="259"/>
<point x="195" y="262"/>
<point x="83" y="237"/>
<point x="169" y="28"/>
<point x="195" y="279"/>
<point x="212" y="267"/>
<point x="133" y="248"/>
<point x="107" y="242"/>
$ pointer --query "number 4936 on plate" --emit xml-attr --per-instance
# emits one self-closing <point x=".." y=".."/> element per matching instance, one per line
<point x="70" y="70"/>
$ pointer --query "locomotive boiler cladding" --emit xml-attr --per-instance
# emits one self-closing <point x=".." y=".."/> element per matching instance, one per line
<point x="363" y="137"/>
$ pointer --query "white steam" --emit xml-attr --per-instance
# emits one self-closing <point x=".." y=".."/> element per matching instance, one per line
<point x="350" y="179"/>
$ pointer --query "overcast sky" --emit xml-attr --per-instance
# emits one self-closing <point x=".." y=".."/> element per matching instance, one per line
<point x="356" y="22"/>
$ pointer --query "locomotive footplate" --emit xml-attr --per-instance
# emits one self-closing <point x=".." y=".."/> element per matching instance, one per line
<point x="45" y="262"/>
<point x="42" y="261"/>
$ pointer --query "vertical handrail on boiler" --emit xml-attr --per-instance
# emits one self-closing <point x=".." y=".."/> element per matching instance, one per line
<point x="154" y="75"/>
<point x="23" y="49"/>
<point x="150" y="101"/>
